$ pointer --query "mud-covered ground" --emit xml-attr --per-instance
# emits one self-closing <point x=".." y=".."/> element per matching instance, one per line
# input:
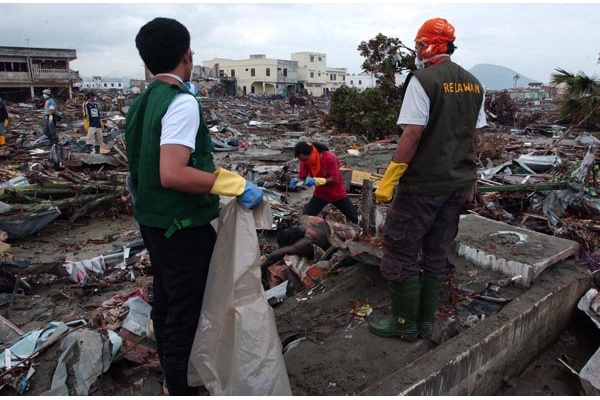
<point x="339" y="356"/>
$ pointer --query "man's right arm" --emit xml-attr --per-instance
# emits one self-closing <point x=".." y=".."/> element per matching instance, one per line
<point x="177" y="175"/>
<point x="180" y="126"/>
<point x="179" y="129"/>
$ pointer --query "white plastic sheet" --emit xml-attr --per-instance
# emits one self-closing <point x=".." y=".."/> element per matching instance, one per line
<point x="81" y="271"/>
<point x="237" y="351"/>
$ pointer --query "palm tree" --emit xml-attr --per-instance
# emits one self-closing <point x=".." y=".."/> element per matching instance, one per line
<point x="581" y="101"/>
<point x="516" y="79"/>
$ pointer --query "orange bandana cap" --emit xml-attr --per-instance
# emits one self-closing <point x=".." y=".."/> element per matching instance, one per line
<point x="314" y="161"/>
<point x="434" y="36"/>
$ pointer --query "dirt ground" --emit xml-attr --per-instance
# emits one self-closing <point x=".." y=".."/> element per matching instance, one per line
<point x="321" y="318"/>
<point x="339" y="356"/>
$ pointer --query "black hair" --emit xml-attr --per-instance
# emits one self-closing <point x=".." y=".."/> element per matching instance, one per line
<point x="289" y="236"/>
<point x="306" y="149"/>
<point x="89" y="94"/>
<point x="162" y="43"/>
<point x="451" y="48"/>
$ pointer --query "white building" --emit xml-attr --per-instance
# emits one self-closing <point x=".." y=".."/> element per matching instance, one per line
<point x="364" y="81"/>
<point x="361" y="81"/>
<point x="336" y="78"/>
<point x="258" y="74"/>
<point x="100" y="83"/>
<point x="261" y="75"/>
<point x="312" y="71"/>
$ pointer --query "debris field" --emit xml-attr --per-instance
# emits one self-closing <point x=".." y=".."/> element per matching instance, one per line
<point x="76" y="279"/>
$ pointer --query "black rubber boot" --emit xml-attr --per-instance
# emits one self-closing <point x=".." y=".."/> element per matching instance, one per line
<point x="430" y="292"/>
<point x="405" y="307"/>
<point x="97" y="149"/>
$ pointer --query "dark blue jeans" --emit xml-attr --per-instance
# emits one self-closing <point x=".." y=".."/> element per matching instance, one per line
<point x="314" y="207"/>
<point x="418" y="233"/>
<point x="180" y="268"/>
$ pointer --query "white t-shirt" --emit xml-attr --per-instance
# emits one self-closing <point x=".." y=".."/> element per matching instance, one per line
<point x="415" y="106"/>
<point x="181" y="122"/>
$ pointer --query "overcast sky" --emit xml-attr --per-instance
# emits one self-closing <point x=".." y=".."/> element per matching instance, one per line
<point x="530" y="38"/>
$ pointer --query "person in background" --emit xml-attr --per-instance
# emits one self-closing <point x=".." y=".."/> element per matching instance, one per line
<point x="3" y="117"/>
<point x="319" y="167"/>
<point x="177" y="190"/>
<point x="50" y="117"/>
<point x="49" y="103"/>
<point x="435" y="171"/>
<point x="49" y="125"/>
<point x="92" y="123"/>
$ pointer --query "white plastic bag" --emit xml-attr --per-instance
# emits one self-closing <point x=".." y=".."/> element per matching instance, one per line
<point x="236" y="350"/>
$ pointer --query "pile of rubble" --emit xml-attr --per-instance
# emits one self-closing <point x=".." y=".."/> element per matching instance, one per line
<point x="530" y="179"/>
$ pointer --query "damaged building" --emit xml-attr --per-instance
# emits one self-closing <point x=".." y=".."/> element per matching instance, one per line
<point x="304" y="73"/>
<point x="26" y="71"/>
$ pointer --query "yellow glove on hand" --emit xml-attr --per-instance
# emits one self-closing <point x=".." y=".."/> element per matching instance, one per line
<point x="6" y="122"/>
<point x="86" y="124"/>
<point x="228" y="183"/>
<point x="393" y="173"/>
<point x="102" y="124"/>
<point x="320" y="181"/>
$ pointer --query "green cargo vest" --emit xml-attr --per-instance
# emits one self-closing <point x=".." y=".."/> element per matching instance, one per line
<point x="156" y="206"/>
<point x="444" y="160"/>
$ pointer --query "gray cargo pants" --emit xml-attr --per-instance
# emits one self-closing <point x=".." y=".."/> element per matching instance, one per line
<point x="418" y="233"/>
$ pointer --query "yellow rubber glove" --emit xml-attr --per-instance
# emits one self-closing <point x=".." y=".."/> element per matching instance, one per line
<point x="6" y="122"/>
<point x="228" y="183"/>
<point x="320" y="181"/>
<point x="393" y="173"/>
<point x="102" y="124"/>
<point x="86" y="124"/>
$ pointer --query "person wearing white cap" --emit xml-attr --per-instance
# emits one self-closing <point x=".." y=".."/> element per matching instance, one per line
<point x="50" y="103"/>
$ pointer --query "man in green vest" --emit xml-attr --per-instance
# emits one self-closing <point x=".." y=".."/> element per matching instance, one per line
<point x="176" y="191"/>
<point x="435" y="173"/>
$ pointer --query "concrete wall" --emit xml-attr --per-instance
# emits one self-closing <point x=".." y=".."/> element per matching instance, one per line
<point x="476" y="361"/>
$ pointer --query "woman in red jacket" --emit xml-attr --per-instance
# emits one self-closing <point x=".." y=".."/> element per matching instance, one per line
<point x="319" y="167"/>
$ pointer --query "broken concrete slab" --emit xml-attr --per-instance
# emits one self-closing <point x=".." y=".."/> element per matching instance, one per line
<point x="96" y="159"/>
<point x="590" y="375"/>
<point x="514" y="251"/>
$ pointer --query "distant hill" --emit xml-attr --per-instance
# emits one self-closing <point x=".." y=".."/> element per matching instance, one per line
<point x="495" y="77"/>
